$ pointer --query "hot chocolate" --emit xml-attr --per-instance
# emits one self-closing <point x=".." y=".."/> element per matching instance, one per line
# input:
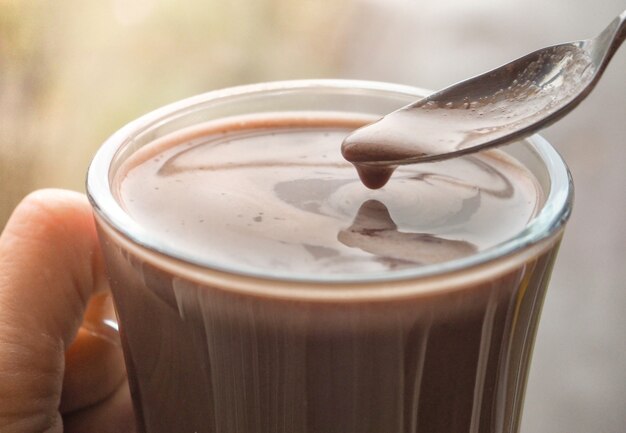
<point x="269" y="339"/>
<point x="274" y="194"/>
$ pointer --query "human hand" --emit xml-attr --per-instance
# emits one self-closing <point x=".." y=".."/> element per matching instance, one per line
<point x="55" y="376"/>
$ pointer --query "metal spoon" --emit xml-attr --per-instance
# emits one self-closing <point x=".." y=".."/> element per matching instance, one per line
<point x="497" y="107"/>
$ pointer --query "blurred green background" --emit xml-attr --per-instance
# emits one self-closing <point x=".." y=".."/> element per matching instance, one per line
<point x="74" y="71"/>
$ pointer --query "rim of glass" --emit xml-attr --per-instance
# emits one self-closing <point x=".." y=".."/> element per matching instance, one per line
<point x="550" y="219"/>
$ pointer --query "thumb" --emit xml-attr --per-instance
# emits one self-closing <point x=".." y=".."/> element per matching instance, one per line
<point x="50" y="265"/>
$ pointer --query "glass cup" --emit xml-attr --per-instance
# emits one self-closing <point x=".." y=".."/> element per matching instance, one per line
<point x="209" y="348"/>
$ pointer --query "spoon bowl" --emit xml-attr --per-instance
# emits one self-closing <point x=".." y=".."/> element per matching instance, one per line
<point x="491" y="109"/>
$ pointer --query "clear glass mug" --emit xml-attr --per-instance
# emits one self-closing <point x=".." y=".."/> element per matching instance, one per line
<point x="440" y="349"/>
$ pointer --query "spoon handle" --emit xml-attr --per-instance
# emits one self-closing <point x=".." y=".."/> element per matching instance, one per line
<point x="616" y="32"/>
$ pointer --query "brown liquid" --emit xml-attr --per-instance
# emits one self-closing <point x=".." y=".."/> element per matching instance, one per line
<point x="281" y="186"/>
<point x="209" y="357"/>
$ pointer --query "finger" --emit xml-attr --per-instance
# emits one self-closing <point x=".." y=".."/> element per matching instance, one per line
<point x="94" y="364"/>
<point x="94" y="369"/>
<point x="114" y="415"/>
<point x="49" y="267"/>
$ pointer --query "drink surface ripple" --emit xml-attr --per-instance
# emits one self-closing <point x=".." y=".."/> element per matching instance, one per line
<point x="263" y="194"/>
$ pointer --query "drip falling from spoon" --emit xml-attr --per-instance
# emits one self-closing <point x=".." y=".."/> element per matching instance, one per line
<point x="506" y="104"/>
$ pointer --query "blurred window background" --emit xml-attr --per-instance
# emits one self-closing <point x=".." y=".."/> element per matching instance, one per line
<point x="74" y="71"/>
